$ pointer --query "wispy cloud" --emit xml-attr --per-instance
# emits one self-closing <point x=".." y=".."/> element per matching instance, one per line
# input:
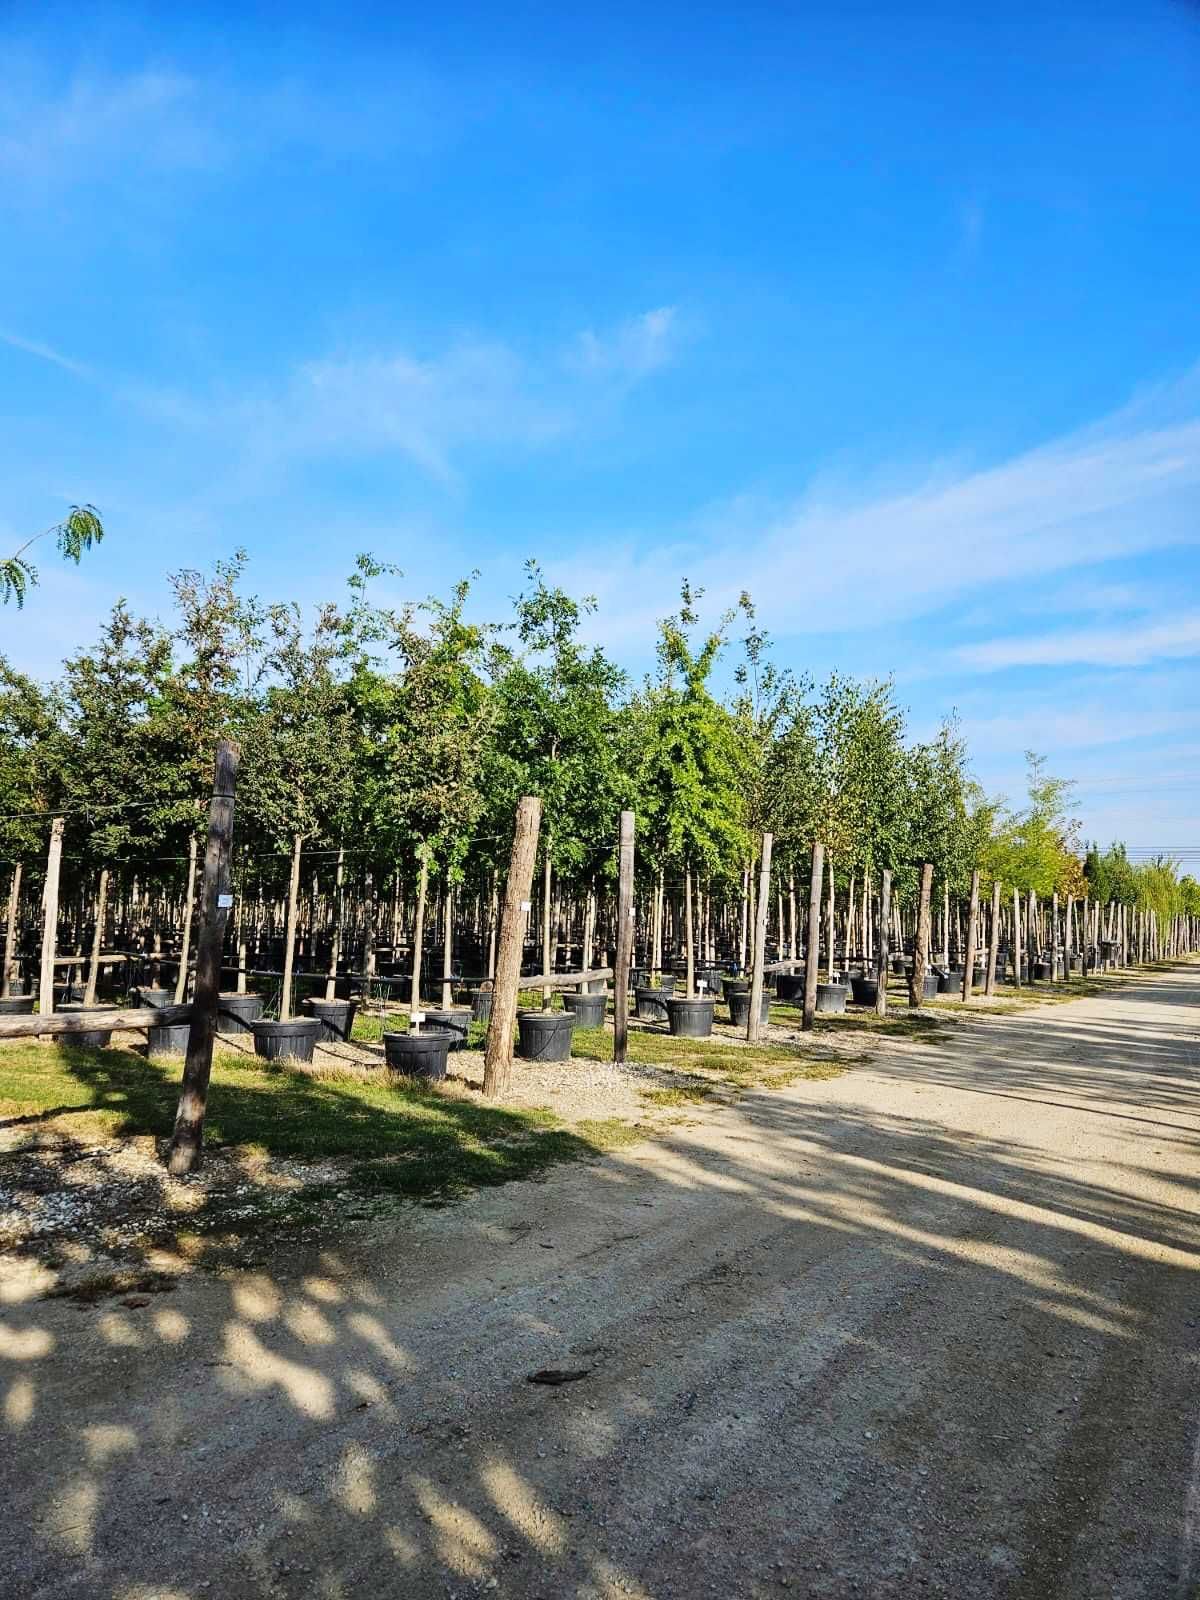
<point x="1132" y="646"/>
<point x="44" y="352"/>
<point x="633" y="349"/>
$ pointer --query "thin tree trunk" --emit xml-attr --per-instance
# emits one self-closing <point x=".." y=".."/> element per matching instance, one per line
<point x="691" y="951"/>
<point x="883" y="949"/>
<point x="414" y="999"/>
<point x="497" y="1064"/>
<point x="448" y="951"/>
<point x="812" y="939"/>
<point x="335" y="943"/>
<point x="50" y="918"/>
<point x="289" y="938"/>
<point x="10" y="933"/>
<point x="546" y="910"/>
<point x="89" y="993"/>
<point x="916" y="983"/>
<point x="189" y="901"/>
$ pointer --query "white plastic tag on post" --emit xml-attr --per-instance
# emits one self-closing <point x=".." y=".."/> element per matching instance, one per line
<point x="416" y="1018"/>
<point x="526" y="905"/>
<point x="224" y="901"/>
<point x="702" y="985"/>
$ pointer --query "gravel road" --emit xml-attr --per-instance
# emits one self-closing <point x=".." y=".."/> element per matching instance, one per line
<point x="929" y="1329"/>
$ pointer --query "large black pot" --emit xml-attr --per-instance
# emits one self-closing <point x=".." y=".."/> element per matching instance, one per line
<point x="237" y="1013"/>
<point x="1043" y="971"/>
<point x="335" y="1016"/>
<point x="948" y="982"/>
<point x="456" y="1023"/>
<point x="90" y="1038"/>
<point x="156" y="998"/>
<point x="652" y="1004"/>
<point x="739" y="1007"/>
<point x="831" y="998"/>
<point x="588" y="1009"/>
<point x="418" y="1054"/>
<point x="598" y="986"/>
<point x="169" y="1041"/>
<point x="292" y="1040"/>
<point x="865" y="991"/>
<point x="930" y="990"/>
<point x="691" y="1019"/>
<point x="735" y="986"/>
<point x="790" y="986"/>
<point x="901" y="966"/>
<point x="16" y="1005"/>
<point x="481" y="1005"/>
<point x="544" y="1035"/>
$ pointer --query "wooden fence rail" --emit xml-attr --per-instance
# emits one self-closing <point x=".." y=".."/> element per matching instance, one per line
<point x="141" y="1017"/>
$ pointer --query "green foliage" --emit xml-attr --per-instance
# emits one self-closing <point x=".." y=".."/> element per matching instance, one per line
<point x="1036" y="847"/>
<point x="30" y="761"/>
<point x="79" y="530"/>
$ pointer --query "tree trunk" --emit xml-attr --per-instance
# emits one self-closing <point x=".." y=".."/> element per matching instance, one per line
<point x="972" y="934"/>
<point x="189" y="901"/>
<point x="89" y="993"/>
<point x="829" y="931"/>
<point x="1018" y="946"/>
<point x="414" y="998"/>
<point x="335" y="943"/>
<point x="546" y="910"/>
<point x="624" y="940"/>
<point x="497" y="1063"/>
<point x="448" y="951"/>
<point x="10" y="933"/>
<point x="289" y="938"/>
<point x="883" y="950"/>
<point x="691" y="952"/>
<point x="812" y="939"/>
<point x="760" y="942"/>
<point x="916" y="982"/>
<point x="50" y="917"/>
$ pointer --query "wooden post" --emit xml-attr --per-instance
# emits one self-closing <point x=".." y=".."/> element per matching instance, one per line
<point x="414" y="997"/>
<point x="1067" y="941"/>
<point x="498" y="1055"/>
<point x="624" y="937"/>
<point x="185" y="944"/>
<point x="916" y="982"/>
<point x="547" y="907"/>
<point x="89" y="993"/>
<point x="883" y="948"/>
<point x="812" y="953"/>
<point x="10" y="933"/>
<point x="50" y="917"/>
<point x="1018" y="948"/>
<point x="829" y="931"/>
<point x="972" y="936"/>
<point x="289" y="938"/>
<point x="187" y="1141"/>
<point x="760" y="941"/>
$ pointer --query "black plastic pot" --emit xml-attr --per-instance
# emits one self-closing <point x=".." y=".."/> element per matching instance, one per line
<point x="544" y="1035"/>
<point x="831" y="997"/>
<point x="587" y="1009"/>
<point x="864" y="990"/>
<point x="598" y="986"/>
<point x="667" y="982"/>
<point x="652" y="1004"/>
<point x="418" y="1055"/>
<point x="237" y="1013"/>
<point x="90" y="1038"/>
<point x="739" y="1007"/>
<point x="690" y="1019"/>
<point x="790" y="986"/>
<point x="171" y="1041"/>
<point x="16" y="1005"/>
<point x="639" y="978"/>
<point x="735" y="986"/>
<point x="292" y="1040"/>
<point x="1043" y="971"/>
<point x="335" y="1016"/>
<point x="901" y="966"/>
<point x="156" y="997"/>
<point x="481" y="1005"/>
<point x="930" y="990"/>
<point x="456" y="1023"/>
<point x="948" y="982"/>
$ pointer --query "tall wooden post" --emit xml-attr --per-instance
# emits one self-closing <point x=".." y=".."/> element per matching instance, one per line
<point x="448" y="950"/>
<point x="916" y="982"/>
<point x="187" y="1141"/>
<point x="690" y="948"/>
<point x="50" y="917"/>
<point x="883" y="949"/>
<point x="10" y="933"/>
<point x="624" y="955"/>
<point x="753" y="1026"/>
<point x="972" y="936"/>
<point x="989" y="982"/>
<point x="335" y="945"/>
<point x="547" y="910"/>
<point x="498" y="1055"/>
<point x="1018" y="947"/>
<point x="812" y="952"/>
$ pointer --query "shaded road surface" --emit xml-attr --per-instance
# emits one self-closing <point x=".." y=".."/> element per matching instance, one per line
<point x="930" y="1329"/>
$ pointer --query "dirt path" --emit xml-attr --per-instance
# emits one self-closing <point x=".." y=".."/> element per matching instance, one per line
<point x="929" y="1329"/>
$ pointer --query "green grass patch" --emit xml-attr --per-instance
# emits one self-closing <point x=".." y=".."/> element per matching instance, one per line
<point x="771" y="1066"/>
<point x="401" y="1138"/>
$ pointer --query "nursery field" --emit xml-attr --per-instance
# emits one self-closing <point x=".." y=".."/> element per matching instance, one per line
<point x="925" y="1325"/>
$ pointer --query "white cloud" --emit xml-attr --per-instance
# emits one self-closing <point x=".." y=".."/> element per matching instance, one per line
<point x="44" y="352"/>
<point x="633" y="350"/>
<point x="1131" y="646"/>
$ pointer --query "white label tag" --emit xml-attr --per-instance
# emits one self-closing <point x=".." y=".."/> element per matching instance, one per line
<point x="526" y="905"/>
<point x="702" y="986"/>
<point x="416" y="1016"/>
<point x="224" y="901"/>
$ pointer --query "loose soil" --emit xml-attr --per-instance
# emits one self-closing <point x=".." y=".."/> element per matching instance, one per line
<point x="926" y="1327"/>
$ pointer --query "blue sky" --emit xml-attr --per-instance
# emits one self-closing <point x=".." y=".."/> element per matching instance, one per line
<point x="887" y="314"/>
